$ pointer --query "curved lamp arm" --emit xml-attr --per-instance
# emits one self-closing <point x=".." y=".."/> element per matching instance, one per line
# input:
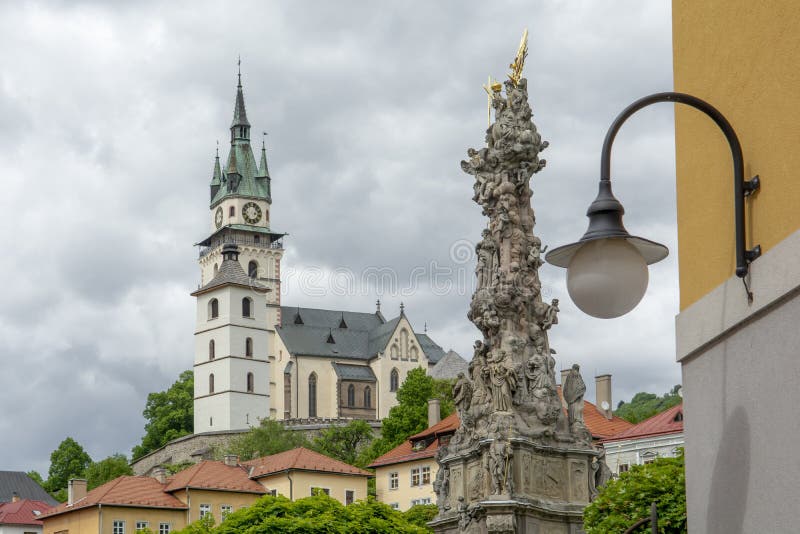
<point x="741" y="187"/>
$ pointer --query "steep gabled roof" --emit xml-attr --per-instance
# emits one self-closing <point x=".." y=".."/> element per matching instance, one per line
<point x="124" y="491"/>
<point x="301" y="459"/>
<point x="22" y="512"/>
<point x="212" y="475"/>
<point x="24" y="486"/>
<point x="667" y="422"/>
<point x="449" y="366"/>
<point x="408" y="450"/>
<point x="433" y="351"/>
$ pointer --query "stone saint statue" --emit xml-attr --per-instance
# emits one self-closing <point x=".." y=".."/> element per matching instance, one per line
<point x="574" y="388"/>
<point x="500" y="456"/>
<point x="462" y="394"/>
<point x="503" y="381"/>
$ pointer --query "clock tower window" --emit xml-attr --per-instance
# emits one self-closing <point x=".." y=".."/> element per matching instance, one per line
<point x="213" y="309"/>
<point x="250" y="382"/>
<point x="248" y="347"/>
<point x="246" y="306"/>
<point x="211" y="383"/>
<point x="252" y="269"/>
<point x="211" y="350"/>
<point x="232" y="211"/>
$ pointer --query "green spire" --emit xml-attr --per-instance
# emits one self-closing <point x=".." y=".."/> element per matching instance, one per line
<point x="216" y="179"/>
<point x="263" y="169"/>
<point x="240" y="126"/>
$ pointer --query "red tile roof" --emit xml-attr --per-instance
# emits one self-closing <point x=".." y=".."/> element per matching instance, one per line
<point x="301" y="459"/>
<point x="22" y="512"/>
<point x="214" y="476"/>
<point x="596" y="422"/>
<point x="659" y="424"/>
<point x="125" y="490"/>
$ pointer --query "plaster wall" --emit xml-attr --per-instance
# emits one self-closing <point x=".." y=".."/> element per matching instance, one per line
<point x="238" y="203"/>
<point x="740" y="56"/>
<point x="154" y="516"/>
<point x="403" y="353"/>
<point x="405" y="492"/>
<point x="85" y="521"/>
<point x="740" y="375"/>
<point x="216" y="500"/>
<point x="326" y="386"/>
<point x="303" y="481"/>
<point x="14" y="529"/>
<point x="637" y="451"/>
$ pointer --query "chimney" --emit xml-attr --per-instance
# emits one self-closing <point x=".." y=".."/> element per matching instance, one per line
<point x="231" y="460"/>
<point x="433" y="412"/>
<point x="14" y="497"/>
<point x="76" y="490"/>
<point x="602" y="385"/>
<point x="160" y="474"/>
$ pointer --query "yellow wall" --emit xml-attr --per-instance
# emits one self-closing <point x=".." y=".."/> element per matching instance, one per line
<point x="216" y="499"/>
<point x="741" y="57"/>
<point x="87" y="520"/>
<point x="405" y="492"/>
<point x="303" y="481"/>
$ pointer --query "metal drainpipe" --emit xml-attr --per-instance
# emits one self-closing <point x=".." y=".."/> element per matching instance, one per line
<point x="100" y="518"/>
<point x="291" y="486"/>
<point x="189" y="509"/>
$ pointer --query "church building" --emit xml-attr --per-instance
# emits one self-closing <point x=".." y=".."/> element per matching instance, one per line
<point x="255" y="358"/>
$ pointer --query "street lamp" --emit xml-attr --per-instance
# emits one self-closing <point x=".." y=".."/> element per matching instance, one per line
<point x="607" y="268"/>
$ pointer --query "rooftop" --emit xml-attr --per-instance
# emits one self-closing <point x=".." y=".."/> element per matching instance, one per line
<point x="22" y="512"/>
<point x="667" y="422"/>
<point x="24" y="486"/>
<point x="301" y="459"/>
<point x="214" y="476"/>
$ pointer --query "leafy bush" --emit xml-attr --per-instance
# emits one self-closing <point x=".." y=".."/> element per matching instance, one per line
<point x="420" y="514"/>
<point x="317" y="514"/>
<point x="626" y="500"/>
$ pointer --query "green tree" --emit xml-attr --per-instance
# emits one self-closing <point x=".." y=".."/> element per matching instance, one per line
<point x="169" y="415"/>
<point x="36" y="477"/>
<point x="270" y="437"/>
<point x="626" y="500"/>
<point x="645" y="405"/>
<point x="410" y="415"/>
<point x="69" y="460"/>
<point x="316" y="514"/>
<point x="110" y="468"/>
<point x="420" y="514"/>
<point x="344" y="442"/>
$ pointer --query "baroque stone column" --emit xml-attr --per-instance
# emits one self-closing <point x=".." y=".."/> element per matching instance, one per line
<point x="519" y="462"/>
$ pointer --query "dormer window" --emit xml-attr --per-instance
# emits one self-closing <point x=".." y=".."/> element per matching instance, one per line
<point x="678" y="417"/>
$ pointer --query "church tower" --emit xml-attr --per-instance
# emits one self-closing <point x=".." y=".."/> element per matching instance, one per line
<point x="238" y="300"/>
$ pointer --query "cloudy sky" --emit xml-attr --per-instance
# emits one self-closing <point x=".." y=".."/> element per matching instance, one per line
<point x="109" y="116"/>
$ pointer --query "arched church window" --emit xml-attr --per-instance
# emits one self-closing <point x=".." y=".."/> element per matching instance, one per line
<point x="248" y="347"/>
<point x="351" y="395"/>
<point x="367" y="397"/>
<point x="394" y="352"/>
<point x="414" y="354"/>
<point x="252" y="269"/>
<point x="249" y="382"/>
<point x="211" y="350"/>
<point x="394" y="380"/>
<point x="246" y="307"/>
<point x="211" y="383"/>
<point x="404" y="344"/>
<point x="231" y="211"/>
<point x="312" y="395"/>
<point x="213" y="309"/>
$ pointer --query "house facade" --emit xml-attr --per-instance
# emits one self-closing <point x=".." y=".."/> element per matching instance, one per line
<point x="660" y="436"/>
<point x="21" y="516"/>
<point x="164" y="504"/>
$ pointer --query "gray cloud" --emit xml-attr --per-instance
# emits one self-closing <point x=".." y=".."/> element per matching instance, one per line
<point x="109" y="113"/>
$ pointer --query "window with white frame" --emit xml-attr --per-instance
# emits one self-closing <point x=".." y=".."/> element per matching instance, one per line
<point x="395" y="506"/>
<point x="416" y="477"/>
<point x="204" y="510"/>
<point x="164" y="528"/>
<point x="142" y="525"/>
<point x="225" y="509"/>
<point x="349" y="496"/>
<point x="394" y="480"/>
<point x="415" y="502"/>
<point x="426" y="475"/>
<point x="118" y="527"/>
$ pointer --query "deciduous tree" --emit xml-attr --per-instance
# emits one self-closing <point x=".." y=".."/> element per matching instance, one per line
<point x="626" y="500"/>
<point x="344" y="442"/>
<point x="107" y="469"/>
<point x="645" y="405"/>
<point x="169" y="414"/>
<point x="270" y="437"/>
<point x="68" y="461"/>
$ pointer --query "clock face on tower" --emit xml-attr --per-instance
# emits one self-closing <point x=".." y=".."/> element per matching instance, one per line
<point x="218" y="217"/>
<point x="251" y="213"/>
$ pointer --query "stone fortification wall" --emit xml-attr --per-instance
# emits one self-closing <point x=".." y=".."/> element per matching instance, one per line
<point x="197" y="447"/>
